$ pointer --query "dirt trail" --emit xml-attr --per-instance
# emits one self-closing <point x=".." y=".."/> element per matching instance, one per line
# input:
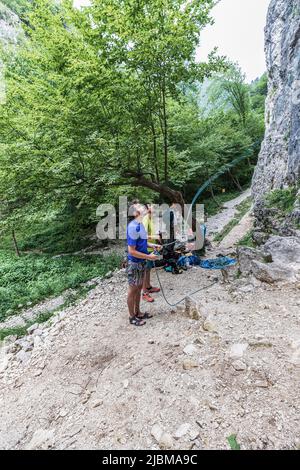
<point x="238" y="232"/>
<point x="216" y="223"/>
<point x="89" y="380"/>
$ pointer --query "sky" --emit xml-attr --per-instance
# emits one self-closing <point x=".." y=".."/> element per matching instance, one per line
<point x="238" y="33"/>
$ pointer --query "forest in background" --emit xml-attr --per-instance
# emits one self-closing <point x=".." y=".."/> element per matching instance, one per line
<point x="107" y="101"/>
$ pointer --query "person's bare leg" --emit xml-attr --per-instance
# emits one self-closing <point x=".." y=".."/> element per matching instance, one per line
<point x="131" y="299"/>
<point x="147" y="284"/>
<point x="146" y="280"/>
<point x="138" y="301"/>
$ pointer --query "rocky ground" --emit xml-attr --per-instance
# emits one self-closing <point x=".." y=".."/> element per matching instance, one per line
<point x="224" y="363"/>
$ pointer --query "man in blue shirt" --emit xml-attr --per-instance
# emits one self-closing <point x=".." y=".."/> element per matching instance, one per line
<point x="137" y="242"/>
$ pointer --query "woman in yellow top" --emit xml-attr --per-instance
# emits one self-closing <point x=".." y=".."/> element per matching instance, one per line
<point x="152" y="239"/>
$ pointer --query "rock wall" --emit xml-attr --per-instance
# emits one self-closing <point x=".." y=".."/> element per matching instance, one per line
<point x="9" y="24"/>
<point x="9" y="27"/>
<point x="279" y="160"/>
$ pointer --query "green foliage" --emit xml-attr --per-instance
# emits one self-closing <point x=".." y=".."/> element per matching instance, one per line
<point x="258" y="93"/>
<point x="87" y="99"/>
<point x="233" y="442"/>
<point x="213" y="205"/>
<point x="230" y="91"/>
<point x="72" y="299"/>
<point x="103" y="102"/>
<point x="20" y="7"/>
<point x="282" y="199"/>
<point x="16" y="331"/>
<point x="247" y="240"/>
<point x="204" y="140"/>
<point x="32" y="278"/>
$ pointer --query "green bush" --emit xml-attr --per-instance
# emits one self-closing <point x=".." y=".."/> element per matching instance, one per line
<point x="247" y="240"/>
<point x="31" y="278"/>
<point x="282" y="199"/>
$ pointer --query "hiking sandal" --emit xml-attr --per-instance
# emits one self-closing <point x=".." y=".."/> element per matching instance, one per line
<point x="145" y="316"/>
<point x="136" y="321"/>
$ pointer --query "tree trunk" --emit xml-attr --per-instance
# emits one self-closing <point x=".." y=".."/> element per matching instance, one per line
<point x="154" y="150"/>
<point x="213" y="196"/>
<point x="15" y="244"/>
<point x="171" y="194"/>
<point x="165" y="131"/>
<point x="236" y="181"/>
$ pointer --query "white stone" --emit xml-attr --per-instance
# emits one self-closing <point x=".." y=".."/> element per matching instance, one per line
<point x="182" y="430"/>
<point x="208" y="325"/>
<point x="125" y="383"/>
<point x="37" y="332"/>
<point x="156" y="432"/>
<point x="4" y="363"/>
<point x="193" y="434"/>
<point x="23" y="356"/>
<point x="41" y="439"/>
<point x="165" y="441"/>
<point x="37" y="341"/>
<point x="190" y="350"/>
<point x="32" y="328"/>
<point x="237" y="350"/>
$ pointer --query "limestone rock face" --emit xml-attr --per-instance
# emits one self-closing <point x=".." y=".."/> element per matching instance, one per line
<point x="9" y="31"/>
<point x="9" y="25"/>
<point x="279" y="159"/>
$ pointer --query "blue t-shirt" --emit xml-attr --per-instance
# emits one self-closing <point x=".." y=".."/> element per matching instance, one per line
<point x="137" y="237"/>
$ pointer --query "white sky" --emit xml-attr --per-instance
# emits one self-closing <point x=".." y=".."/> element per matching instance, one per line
<point x="238" y="33"/>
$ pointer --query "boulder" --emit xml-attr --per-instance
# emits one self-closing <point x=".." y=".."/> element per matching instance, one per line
<point x="32" y="328"/>
<point x="283" y="250"/>
<point x="23" y="356"/>
<point x="277" y="261"/>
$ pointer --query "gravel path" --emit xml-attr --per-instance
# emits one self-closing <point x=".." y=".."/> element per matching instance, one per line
<point x="94" y="381"/>
<point x="238" y="232"/>
<point x="217" y="222"/>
